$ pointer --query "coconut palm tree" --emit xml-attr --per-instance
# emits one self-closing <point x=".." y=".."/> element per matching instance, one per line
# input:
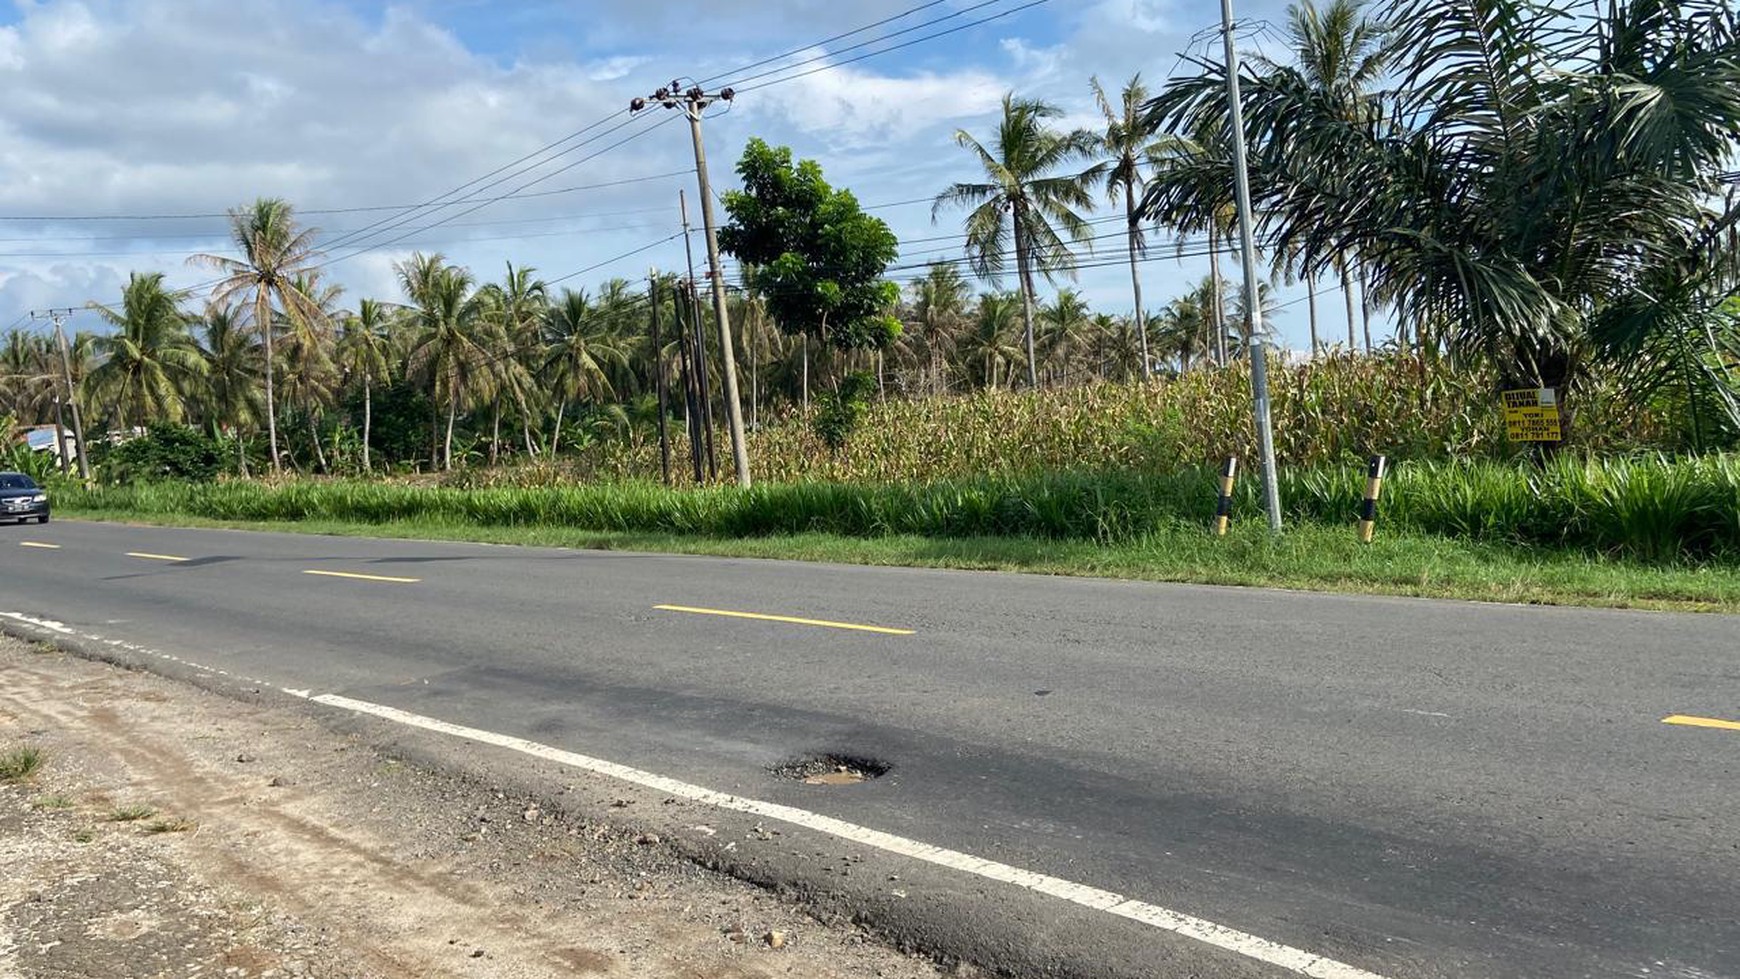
<point x="1064" y="328"/>
<point x="231" y="397"/>
<point x="992" y="340"/>
<point x="1029" y="201"/>
<point x="275" y="252"/>
<point x="363" y="354"/>
<point x="516" y="309"/>
<point x="148" y="364"/>
<point x="449" y="347"/>
<point x="311" y="379"/>
<point x="581" y="348"/>
<point x="939" y="314"/>
<point x="1129" y="143"/>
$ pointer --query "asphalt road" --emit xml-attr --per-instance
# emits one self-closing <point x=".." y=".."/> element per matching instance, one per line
<point x="1415" y="788"/>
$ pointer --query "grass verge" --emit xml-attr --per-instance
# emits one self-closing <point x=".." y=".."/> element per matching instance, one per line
<point x="1311" y="556"/>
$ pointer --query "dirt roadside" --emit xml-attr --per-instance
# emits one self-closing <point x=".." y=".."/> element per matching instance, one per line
<point x="171" y="832"/>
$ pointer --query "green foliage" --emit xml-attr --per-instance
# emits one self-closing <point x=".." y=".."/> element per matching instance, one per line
<point x="167" y="452"/>
<point x="1652" y="509"/>
<point x="838" y="412"/>
<point x="39" y="466"/>
<point x="811" y="251"/>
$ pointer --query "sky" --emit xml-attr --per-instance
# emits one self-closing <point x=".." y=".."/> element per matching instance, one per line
<point x="127" y="127"/>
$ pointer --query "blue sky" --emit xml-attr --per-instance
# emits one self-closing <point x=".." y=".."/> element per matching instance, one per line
<point x="146" y="108"/>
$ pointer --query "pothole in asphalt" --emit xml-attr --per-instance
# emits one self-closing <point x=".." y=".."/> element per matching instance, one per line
<point x="831" y="770"/>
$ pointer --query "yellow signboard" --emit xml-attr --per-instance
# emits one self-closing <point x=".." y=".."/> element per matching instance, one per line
<point x="1532" y="415"/>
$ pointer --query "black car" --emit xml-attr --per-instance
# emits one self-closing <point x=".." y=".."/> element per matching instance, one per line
<point x="21" y="499"/>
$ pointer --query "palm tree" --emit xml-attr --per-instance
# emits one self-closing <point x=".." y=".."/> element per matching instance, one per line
<point x="1342" y="54"/>
<point x="1128" y="143"/>
<point x="449" y="345"/>
<point x="939" y="313"/>
<point x="148" y="364"/>
<point x="1064" y="326"/>
<point x="275" y="254"/>
<point x="991" y="339"/>
<point x="516" y="309"/>
<point x="581" y="347"/>
<point x="232" y="378"/>
<point x="1025" y="201"/>
<point x="1547" y="198"/>
<point x="363" y="350"/>
<point x="310" y="377"/>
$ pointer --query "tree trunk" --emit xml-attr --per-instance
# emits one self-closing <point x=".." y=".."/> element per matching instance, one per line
<point x="1311" y="300"/>
<point x="1136" y="279"/>
<point x="1365" y="308"/>
<point x="368" y="422"/>
<point x="263" y="315"/>
<point x="556" y="433"/>
<point x="806" y="340"/>
<point x="1217" y="305"/>
<point x="435" y="426"/>
<point x="314" y="436"/>
<point x="1024" y="274"/>
<point x="1347" y="293"/>
<point x="241" y="453"/>
<point x="495" y="436"/>
<point x="447" y="450"/>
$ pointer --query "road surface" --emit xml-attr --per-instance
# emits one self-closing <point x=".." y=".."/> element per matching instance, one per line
<point x="1405" y="788"/>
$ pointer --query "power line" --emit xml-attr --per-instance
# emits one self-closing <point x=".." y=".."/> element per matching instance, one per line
<point x="837" y="37"/>
<point x="905" y="44"/>
<point x="612" y="261"/>
<point x="861" y="45"/>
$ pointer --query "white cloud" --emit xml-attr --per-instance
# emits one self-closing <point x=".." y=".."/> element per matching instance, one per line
<point x="846" y="108"/>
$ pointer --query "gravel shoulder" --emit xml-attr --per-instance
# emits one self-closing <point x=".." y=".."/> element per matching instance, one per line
<point x="173" y="832"/>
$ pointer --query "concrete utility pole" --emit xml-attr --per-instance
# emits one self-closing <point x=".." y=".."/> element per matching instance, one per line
<point x="694" y="103"/>
<point x="1253" y="299"/>
<point x="59" y="317"/>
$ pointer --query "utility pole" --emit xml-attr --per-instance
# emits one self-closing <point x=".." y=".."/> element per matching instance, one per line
<point x="1253" y="302"/>
<point x="59" y="317"/>
<point x="699" y="332"/>
<point x="694" y="103"/>
<point x="652" y="295"/>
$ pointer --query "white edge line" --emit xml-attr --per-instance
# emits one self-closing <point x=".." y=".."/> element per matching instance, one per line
<point x="1207" y="932"/>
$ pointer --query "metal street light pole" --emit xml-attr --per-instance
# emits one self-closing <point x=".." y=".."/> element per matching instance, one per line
<point x="694" y="102"/>
<point x="1253" y="302"/>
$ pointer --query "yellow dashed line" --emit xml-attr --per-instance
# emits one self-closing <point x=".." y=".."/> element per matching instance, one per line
<point x="1684" y="720"/>
<point x="364" y="577"/>
<point x="821" y="623"/>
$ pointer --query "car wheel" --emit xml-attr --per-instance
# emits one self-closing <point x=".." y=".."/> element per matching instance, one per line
<point x="42" y="519"/>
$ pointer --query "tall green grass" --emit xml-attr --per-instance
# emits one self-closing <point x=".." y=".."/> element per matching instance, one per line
<point x="1654" y="509"/>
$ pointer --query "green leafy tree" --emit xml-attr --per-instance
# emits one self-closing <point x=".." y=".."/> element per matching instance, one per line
<point x="1028" y="195"/>
<point x="811" y="252"/>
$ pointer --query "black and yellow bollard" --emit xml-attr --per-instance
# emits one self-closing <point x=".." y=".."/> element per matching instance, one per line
<point x="1229" y="476"/>
<point x="1374" y="485"/>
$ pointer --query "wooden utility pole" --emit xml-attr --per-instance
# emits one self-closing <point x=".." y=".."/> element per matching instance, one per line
<point x="59" y="317"/>
<point x="694" y="103"/>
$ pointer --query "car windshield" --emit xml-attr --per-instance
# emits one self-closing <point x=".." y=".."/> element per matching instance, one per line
<point x="12" y="481"/>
